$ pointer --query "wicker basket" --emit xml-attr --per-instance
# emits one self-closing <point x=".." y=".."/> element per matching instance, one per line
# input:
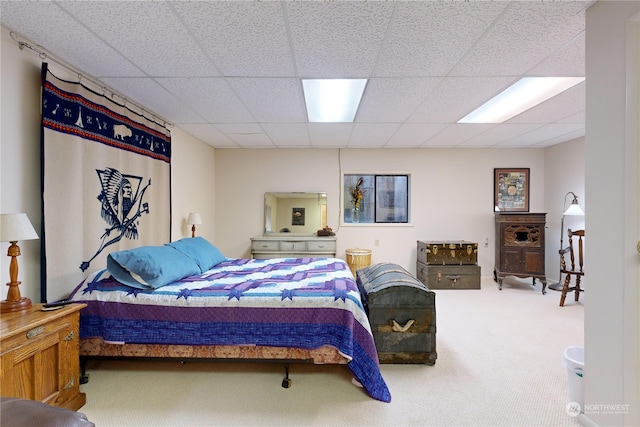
<point x="358" y="258"/>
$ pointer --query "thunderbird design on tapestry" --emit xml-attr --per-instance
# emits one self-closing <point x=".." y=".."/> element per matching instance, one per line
<point x="122" y="205"/>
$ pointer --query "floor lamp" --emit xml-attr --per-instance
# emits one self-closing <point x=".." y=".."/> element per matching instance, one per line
<point x="14" y="227"/>
<point x="573" y="209"/>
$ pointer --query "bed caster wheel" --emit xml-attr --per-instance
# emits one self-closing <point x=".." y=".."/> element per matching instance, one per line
<point x="286" y="383"/>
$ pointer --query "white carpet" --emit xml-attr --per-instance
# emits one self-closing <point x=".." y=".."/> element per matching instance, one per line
<point x="500" y="363"/>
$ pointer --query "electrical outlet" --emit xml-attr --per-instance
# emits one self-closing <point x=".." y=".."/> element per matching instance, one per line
<point x="376" y="242"/>
<point x="486" y="242"/>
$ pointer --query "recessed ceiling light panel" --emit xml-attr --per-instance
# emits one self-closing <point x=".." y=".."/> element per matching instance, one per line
<point x="524" y="94"/>
<point x="333" y="100"/>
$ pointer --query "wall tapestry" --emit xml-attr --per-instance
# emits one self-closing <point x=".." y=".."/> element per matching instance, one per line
<point x="106" y="182"/>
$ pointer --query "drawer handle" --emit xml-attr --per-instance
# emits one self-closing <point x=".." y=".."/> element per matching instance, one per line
<point x="397" y="328"/>
<point x="69" y="336"/>
<point x="265" y="246"/>
<point x="70" y="384"/>
<point x="35" y="332"/>
<point x="453" y="277"/>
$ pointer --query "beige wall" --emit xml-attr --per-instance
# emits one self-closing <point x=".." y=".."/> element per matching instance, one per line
<point x="192" y="185"/>
<point x="451" y="197"/>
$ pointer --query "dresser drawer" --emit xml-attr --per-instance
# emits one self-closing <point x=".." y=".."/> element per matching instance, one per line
<point x="293" y="246"/>
<point x="321" y="246"/>
<point x="265" y="245"/>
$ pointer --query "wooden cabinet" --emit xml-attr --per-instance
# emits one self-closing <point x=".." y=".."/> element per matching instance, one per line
<point x="293" y="247"/>
<point x="520" y="244"/>
<point x="39" y="356"/>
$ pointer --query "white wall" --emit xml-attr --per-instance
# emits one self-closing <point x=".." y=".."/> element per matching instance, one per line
<point x="612" y="185"/>
<point x="452" y="195"/>
<point x="192" y="172"/>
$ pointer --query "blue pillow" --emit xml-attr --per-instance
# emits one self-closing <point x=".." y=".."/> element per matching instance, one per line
<point x="150" y="266"/>
<point x="200" y="251"/>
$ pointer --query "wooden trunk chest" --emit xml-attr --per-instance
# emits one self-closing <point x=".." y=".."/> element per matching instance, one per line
<point x="449" y="276"/>
<point x="402" y="314"/>
<point x="458" y="252"/>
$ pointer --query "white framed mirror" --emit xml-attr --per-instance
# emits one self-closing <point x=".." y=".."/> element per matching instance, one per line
<point x="300" y="213"/>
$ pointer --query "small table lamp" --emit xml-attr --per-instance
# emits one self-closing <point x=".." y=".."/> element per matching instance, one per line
<point x="14" y="227"/>
<point x="193" y="219"/>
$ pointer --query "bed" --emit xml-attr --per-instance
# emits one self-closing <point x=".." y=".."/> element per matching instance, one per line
<point x="289" y="309"/>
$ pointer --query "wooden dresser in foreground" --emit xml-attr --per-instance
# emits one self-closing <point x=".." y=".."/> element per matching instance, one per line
<point x="39" y="356"/>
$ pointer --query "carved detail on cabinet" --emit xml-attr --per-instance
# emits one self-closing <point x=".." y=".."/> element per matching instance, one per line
<point x="522" y="235"/>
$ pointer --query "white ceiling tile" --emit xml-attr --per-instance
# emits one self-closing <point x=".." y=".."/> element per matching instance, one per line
<point x="212" y="98"/>
<point x="560" y="139"/>
<point x="247" y="135"/>
<point x="542" y="133"/>
<point x="457" y="133"/>
<point x="414" y="134"/>
<point x="337" y="39"/>
<point x="325" y="135"/>
<point x="243" y="39"/>
<point x="209" y="134"/>
<point x="568" y="61"/>
<point x="524" y="35"/>
<point x="371" y="134"/>
<point x="147" y="33"/>
<point x="455" y="97"/>
<point x="498" y="134"/>
<point x="579" y="117"/>
<point x="49" y="27"/>
<point x="428" y="38"/>
<point x="288" y="135"/>
<point x="272" y="100"/>
<point x="393" y="100"/>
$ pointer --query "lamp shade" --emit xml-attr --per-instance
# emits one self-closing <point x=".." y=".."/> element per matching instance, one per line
<point x="574" y="209"/>
<point x="14" y="227"/>
<point x="194" y="218"/>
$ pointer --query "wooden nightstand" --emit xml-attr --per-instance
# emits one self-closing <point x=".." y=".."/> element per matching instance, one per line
<point x="39" y="356"/>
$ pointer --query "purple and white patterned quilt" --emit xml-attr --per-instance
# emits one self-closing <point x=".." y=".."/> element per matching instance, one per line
<point x="283" y="302"/>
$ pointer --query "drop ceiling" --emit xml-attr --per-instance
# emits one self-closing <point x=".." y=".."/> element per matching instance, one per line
<point x="229" y="72"/>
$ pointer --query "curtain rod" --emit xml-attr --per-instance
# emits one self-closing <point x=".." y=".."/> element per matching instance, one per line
<point x="97" y="83"/>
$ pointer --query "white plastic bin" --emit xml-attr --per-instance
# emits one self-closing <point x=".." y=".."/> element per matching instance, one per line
<point x="574" y="361"/>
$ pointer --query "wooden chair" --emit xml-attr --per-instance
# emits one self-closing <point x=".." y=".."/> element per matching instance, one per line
<point x="575" y="270"/>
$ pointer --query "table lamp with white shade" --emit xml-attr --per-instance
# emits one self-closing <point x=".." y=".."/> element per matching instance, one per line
<point x="14" y="227"/>
<point x="193" y="219"/>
